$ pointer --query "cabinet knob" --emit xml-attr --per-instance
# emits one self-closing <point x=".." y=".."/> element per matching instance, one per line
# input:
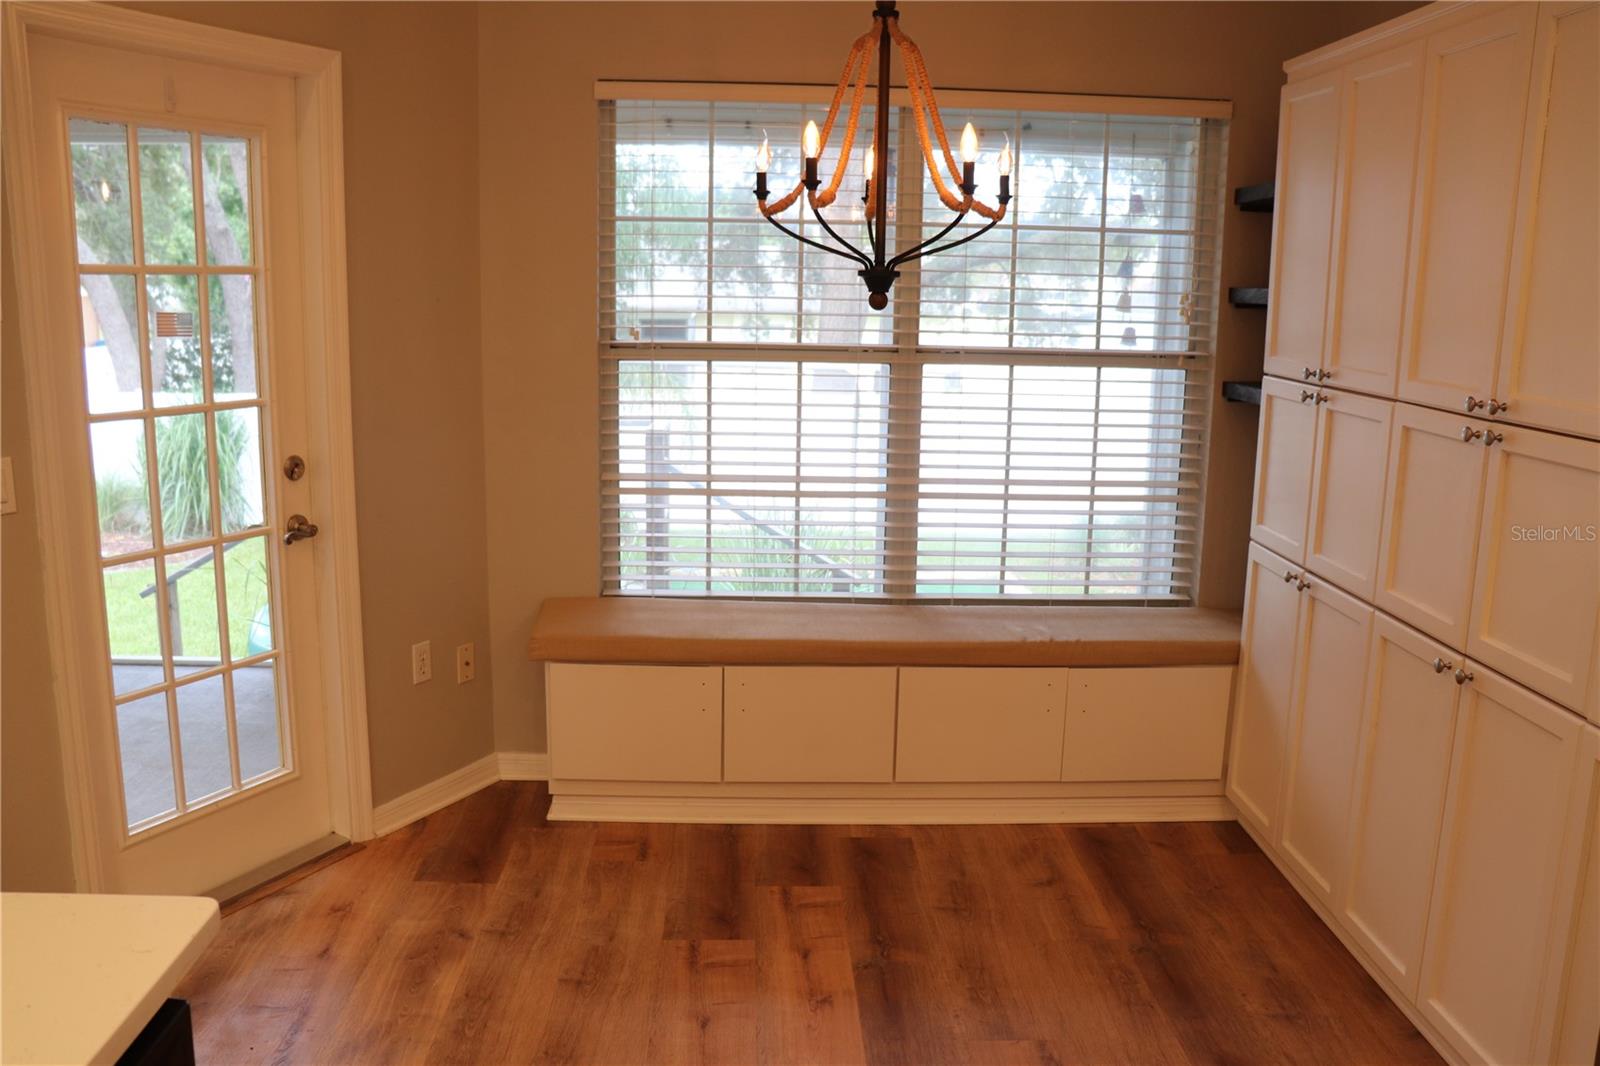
<point x="1309" y="373"/>
<point x="1323" y="398"/>
<point x="1289" y="575"/>
<point x="1301" y="585"/>
<point x="1441" y="665"/>
<point x="1496" y="407"/>
<point x="1306" y="394"/>
<point x="1468" y="434"/>
<point x="1473" y="403"/>
<point x="1324" y="375"/>
<point x="1463" y="676"/>
<point x="1491" y="438"/>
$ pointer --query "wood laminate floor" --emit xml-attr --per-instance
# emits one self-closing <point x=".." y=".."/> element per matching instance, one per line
<point x="484" y="934"/>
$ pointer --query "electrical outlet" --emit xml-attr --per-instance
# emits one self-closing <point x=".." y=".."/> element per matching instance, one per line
<point x="466" y="663"/>
<point x="421" y="662"/>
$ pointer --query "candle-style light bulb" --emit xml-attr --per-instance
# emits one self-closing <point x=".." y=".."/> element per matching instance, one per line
<point x="1005" y="158"/>
<point x="969" y="144"/>
<point x="871" y="165"/>
<point x="763" y="155"/>
<point x="812" y="141"/>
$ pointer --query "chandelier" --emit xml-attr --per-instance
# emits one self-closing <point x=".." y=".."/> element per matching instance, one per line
<point x="879" y="269"/>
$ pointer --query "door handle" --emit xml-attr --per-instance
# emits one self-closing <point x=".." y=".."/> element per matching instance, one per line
<point x="299" y="529"/>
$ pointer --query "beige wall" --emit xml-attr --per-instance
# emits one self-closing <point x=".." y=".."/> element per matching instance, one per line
<point x="411" y="158"/>
<point x="537" y="65"/>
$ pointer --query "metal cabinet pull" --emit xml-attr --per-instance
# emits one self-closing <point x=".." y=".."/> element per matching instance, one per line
<point x="1289" y="575"/>
<point x="1468" y="434"/>
<point x="298" y="529"/>
<point x="1463" y="676"/>
<point x="1491" y="438"/>
<point x="1323" y="398"/>
<point x="1306" y="394"/>
<point x="1301" y="585"/>
<point x="1473" y="403"/>
<point x="1324" y="375"/>
<point x="1496" y="407"/>
<point x="1441" y="665"/>
<point x="1309" y="373"/>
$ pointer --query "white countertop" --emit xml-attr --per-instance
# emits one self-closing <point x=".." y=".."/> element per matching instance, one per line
<point x="81" y="975"/>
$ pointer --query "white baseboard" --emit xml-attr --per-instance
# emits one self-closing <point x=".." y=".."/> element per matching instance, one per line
<point x="524" y="765"/>
<point x="421" y="802"/>
<point x="903" y="810"/>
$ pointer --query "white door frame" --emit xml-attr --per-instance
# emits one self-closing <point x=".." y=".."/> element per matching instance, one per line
<point x="53" y="392"/>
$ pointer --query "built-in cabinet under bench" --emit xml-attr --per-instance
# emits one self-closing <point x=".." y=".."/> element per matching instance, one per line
<point x="792" y="714"/>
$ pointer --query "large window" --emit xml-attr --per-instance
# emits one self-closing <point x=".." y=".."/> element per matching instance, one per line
<point x="1025" y="421"/>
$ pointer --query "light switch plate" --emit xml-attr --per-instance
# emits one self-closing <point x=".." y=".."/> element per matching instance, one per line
<point x="8" y="488"/>
<point x="466" y="663"/>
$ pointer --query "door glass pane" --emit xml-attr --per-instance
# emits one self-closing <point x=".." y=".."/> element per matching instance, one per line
<point x="110" y="343"/>
<point x="239" y="463"/>
<point x="203" y="733"/>
<point x="166" y="196"/>
<point x="174" y="325"/>
<point x="121" y="485"/>
<point x="133" y="625"/>
<point x="146" y="751"/>
<point x="255" y="709"/>
<point x="249" y="597"/>
<point x="100" y="191"/>
<point x="225" y="183"/>
<point x="233" y="337"/>
<point x="183" y="470"/>
<point x="192" y="611"/>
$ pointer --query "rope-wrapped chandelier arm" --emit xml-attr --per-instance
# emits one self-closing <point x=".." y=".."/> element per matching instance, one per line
<point x="924" y="106"/>
<point x="861" y="53"/>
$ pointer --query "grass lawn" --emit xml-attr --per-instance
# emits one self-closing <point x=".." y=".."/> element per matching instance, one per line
<point x="132" y="618"/>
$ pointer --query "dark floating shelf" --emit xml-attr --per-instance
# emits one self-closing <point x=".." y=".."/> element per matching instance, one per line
<point x="1254" y="197"/>
<point x="1242" y="392"/>
<point x="1247" y="297"/>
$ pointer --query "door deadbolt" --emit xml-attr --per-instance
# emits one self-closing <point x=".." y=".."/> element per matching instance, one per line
<point x="294" y="468"/>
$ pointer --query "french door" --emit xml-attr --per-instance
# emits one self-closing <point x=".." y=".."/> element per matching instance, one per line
<point x="169" y="205"/>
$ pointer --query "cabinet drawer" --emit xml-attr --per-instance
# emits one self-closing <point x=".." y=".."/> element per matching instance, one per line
<point x="980" y="724"/>
<point x="809" y="723"/>
<point x="635" y="723"/>
<point x="1146" y="724"/>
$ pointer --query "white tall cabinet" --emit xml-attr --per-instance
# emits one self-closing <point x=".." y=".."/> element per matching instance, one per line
<point x="1414" y="733"/>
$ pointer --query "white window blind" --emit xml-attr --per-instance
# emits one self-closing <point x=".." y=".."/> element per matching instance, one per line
<point x="1026" y="421"/>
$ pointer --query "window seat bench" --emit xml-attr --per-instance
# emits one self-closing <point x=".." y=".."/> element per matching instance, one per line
<point x="721" y="711"/>
<point x="614" y="629"/>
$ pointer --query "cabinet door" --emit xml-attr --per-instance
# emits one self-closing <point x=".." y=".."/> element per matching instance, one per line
<point x="1146" y="723"/>
<point x="1549" y="369"/>
<point x="1348" y="477"/>
<point x="1430" y="521"/>
<point x="1372" y="219"/>
<point x="635" y="723"/>
<point x="1497" y="888"/>
<point x="1408" y="721"/>
<point x="1474" y="94"/>
<point x="1261" y="698"/>
<point x="1324" y="732"/>
<point x="1577" y="973"/>
<point x="808" y="723"/>
<point x="980" y="724"/>
<point x="1537" y="596"/>
<point x="1285" y="440"/>
<point x="1302" y="223"/>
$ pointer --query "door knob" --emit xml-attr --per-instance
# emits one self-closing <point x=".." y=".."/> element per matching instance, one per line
<point x="299" y="529"/>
